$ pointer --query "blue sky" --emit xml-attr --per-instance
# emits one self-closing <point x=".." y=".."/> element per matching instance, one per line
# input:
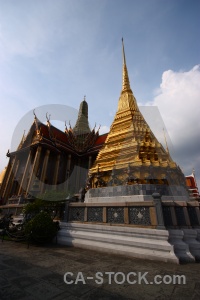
<point x="55" y="52"/>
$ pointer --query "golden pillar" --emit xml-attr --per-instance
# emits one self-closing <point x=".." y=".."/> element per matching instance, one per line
<point x="34" y="169"/>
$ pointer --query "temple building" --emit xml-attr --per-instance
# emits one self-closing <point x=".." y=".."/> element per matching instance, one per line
<point x="48" y="158"/>
<point x="129" y="155"/>
<point x="192" y="186"/>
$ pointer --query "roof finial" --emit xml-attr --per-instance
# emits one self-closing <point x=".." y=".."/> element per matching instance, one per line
<point x="35" y="119"/>
<point x="125" y="78"/>
<point x="123" y="52"/>
<point x="48" y="119"/>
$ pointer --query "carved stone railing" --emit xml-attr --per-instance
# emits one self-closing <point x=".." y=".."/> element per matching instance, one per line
<point x="181" y="214"/>
<point x="139" y="214"/>
<point x="150" y="214"/>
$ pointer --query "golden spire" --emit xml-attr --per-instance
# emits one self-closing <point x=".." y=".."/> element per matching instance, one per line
<point x="125" y="78"/>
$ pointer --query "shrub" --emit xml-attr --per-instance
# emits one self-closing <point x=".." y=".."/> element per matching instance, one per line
<point x="32" y="209"/>
<point x="41" y="228"/>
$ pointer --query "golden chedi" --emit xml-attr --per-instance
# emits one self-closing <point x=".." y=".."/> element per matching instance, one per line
<point x="131" y="153"/>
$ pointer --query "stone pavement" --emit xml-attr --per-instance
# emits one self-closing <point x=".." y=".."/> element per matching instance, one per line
<point x="37" y="274"/>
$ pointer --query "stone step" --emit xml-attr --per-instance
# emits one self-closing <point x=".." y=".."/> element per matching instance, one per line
<point x="136" y="242"/>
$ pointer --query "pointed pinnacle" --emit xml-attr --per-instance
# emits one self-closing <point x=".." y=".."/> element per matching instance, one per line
<point x="125" y="79"/>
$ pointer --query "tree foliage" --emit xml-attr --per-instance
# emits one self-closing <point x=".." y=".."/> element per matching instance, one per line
<point x="41" y="228"/>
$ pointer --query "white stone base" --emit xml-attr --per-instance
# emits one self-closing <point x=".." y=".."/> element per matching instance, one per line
<point x="190" y="238"/>
<point x="181" y="248"/>
<point x="132" y="198"/>
<point x="198" y="234"/>
<point x="143" y="243"/>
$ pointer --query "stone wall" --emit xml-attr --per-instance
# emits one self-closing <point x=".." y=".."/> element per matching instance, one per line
<point x="136" y="192"/>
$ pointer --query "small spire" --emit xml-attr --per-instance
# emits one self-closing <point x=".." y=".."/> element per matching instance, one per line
<point x="66" y="126"/>
<point x="82" y="124"/>
<point x="48" y="119"/>
<point x="125" y="79"/>
<point x="35" y="120"/>
<point x="34" y="114"/>
<point x="123" y="52"/>
<point x="22" y="141"/>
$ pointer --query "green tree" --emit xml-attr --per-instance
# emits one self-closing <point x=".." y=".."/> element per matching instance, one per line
<point x="41" y="228"/>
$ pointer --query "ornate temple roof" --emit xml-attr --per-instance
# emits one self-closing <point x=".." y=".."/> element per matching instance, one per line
<point x="192" y="185"/>
<point x="79" y="140"/>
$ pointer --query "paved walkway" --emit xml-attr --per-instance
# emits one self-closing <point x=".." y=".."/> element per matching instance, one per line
<point x="37" y="274"/>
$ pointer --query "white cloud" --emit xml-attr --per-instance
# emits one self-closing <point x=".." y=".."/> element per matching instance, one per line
<point x="179" y="103"/>
<point x="178" y="100"/>
<point x="104" y="129"/>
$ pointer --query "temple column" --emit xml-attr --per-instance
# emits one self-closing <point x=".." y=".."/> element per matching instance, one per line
<point x="68" y="171"/>
<point x="68" y="162"/>
<point x="44" y="170"/>
<point x="24" y="177"/>
<point x="89" y="162"/>
<point x="8" y="176"/>
<point x="14" y="178"/>
<point x="78" y="176"/>
<point x="55" y="177"/>
<point x="159" y="213"/>
<point x="11" y="178"/>
<point x="34" y="169"/>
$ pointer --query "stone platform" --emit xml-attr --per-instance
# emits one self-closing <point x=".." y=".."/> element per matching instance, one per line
<point x="155" y="230"/>
<point x="143" y="243"/>
<point x="136" y="192"/>
<point x="174" y="246"/>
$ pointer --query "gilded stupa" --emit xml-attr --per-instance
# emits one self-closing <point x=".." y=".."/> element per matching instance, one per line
<point x="131" y="153"/>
